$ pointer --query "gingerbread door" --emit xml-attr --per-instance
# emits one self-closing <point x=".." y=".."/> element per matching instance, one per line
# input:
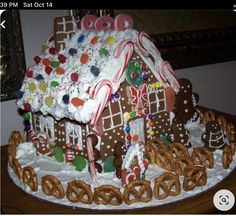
<point x="137" y="130"/>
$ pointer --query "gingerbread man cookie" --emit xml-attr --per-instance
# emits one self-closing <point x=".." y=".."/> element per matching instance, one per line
<point x="179" y="134"/>
<point x="214" y="137"/>
<point x="185" y="102"/>
<point x="43" y="145"/>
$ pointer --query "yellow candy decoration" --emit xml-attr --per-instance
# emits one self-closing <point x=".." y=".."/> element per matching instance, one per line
<point x="151" y="132"/>
<point x="110" y="40"/>
<point x="49" y="100"/>
<point x="32" y="86"/>
<point x="127" y="116"/>
<point x="43" y="86"/>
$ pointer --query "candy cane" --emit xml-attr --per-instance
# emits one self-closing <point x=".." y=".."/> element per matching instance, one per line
<point x="106" y="96"/>
<point x="128" y="55"/>
<point x="142" y="35"/>
<point x="89" y="146"/>
<point x="173" y="80"/>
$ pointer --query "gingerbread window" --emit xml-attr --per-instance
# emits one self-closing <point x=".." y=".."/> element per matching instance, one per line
<point x="46" y="124"/>
<point x="112" y="116"/>
<point x="156" y="101"/>
<point x="74" y="134"/>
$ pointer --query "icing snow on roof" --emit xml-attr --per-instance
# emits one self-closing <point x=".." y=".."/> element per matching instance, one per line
<point x="77" y="82"/>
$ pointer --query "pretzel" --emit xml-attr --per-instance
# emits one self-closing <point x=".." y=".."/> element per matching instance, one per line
<point x="227" y="156"/>
<point x="179" y="150"/>
<point x="167" y="182"/>
<point x="164" y="160"/>
<point x="15" y="138"/>
<point x="230" y="131"/>
<point x="208" y="116"/>
<point x="233" y="147"/>
<point x="157" y="144"/>
<point x="108" y="194"/>
<point x="51" y="186"/>
<point x="203" y="156"/>
<point x="17" y="168"/>
<point x="196" y="177"/>
<point x="30" y="178"/>
<point x="137" y="191"/>
<point x="183" y="165"/>
<point x="11" y="151"/>
<point x="222" y="122"/>
<point x="79" y="191"/>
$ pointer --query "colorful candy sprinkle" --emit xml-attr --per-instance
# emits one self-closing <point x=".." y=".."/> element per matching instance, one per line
<point x="74" y="76"/>
<point x="72" y="51"/>
<point x="94" y="40"/>
<point x="151" y="132"/>
<point x="44" y="47"/>
<point x="110" y="40"/>
<point x="27" y="107"/>
<point x="145" y="77"/>
<point x="49" y="101"/>
<point x="60" y="70"/>
<point x="84" y="58"/>
<point x="95" y="70"/>
<point x="39" y="77"/>
<point x="66" y="98"/>
<point x="127" y="129"/>
<point x="48" y="70"/>
<point x="43" y="86"/>
<point x="135" y="138"/>
<point x="26" y="116"/>
<point x="52" y="51"/>
<point x="54" y="84"/>
<point x="80" y="38"/>
<point x="103" y="53"/>
<point x="55" y="64"/>
<point x="46" y="62"/>
<point x="61" y="58"/>
<point x="32" y="86"/>
<point x="37" y="59"/>
<point x="77" y="102"/>
<point x="29" y="73"/>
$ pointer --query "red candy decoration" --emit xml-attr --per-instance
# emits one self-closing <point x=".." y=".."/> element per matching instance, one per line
<point x="62" y="58"/>
<point x="52" y="51"/>
<point x="27" y="107"/>
<point x="48" y="70"/>
<point x="87" y="22"/>
<point x="77" y="102"/>
<point x="46" y="62"/>
<point x="94" y="40"/>
<point x="74" y="76"/>
<point x="84" y="58"/>
<point x="29" y="73"/>
<point x="37" y="59"/>
<point x="104" y="23"/>
<point x="123" y="21"/>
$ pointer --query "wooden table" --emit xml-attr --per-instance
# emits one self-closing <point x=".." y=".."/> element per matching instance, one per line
<point x="16" y="201"/>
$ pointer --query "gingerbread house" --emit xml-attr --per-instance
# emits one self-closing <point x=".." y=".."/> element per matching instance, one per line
<point x="108" y="80"/>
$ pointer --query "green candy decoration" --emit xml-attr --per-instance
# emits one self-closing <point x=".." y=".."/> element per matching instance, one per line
<point x="54" y="84"/>
<point x="59" y="155"/>
<point x="26" y="116"/>
<point x="79" y="162"/>
<point x="103" y="53"/>
<point x="55" y="64"/>
<point x="133" y="73"/>
<point x="108" y="164"/>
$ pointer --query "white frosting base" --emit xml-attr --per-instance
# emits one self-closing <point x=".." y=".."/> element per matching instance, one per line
<point x="44" y="165"/>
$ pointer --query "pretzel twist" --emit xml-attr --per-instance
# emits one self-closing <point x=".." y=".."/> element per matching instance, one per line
<point x="227" y="156"/>
<point x="179" y="150"/>
<point x="230" y="132"/>
<point x="168" y="183"/>
<point x="137" y="191"/>
<point x="183" y="165"/>
<point x="30" y="178"/>
<point x="208" y="116"/>
<point x="203" y="156"/>
<point x="79" y="191"/>
<point x="164" y="160"/>
<point x="157" y="144"/>
<point x="196" y="177"/>
<point x="233" y="147"/>
<point x="17" y="168"/>
<point x="11" y="151"/>
<point x="15" y="138"/>
<point x="51" y="186"/>
<point x="222" y="122"/>
<point x="108" y="194"/>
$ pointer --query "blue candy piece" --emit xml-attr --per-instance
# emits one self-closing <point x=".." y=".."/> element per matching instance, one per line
<point x="19" y="94"/>
<point x="95" y="70"/>
<point x="80" y="38"/>
<point x="117" y="95"/>
<point x="72" y="51"/>
<point x="39" y="77"/>
<point x="127" y="129"/>
<point x="66" y="99"/>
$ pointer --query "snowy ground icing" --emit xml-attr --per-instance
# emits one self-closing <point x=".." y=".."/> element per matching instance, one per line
<point x="48" y="166"/>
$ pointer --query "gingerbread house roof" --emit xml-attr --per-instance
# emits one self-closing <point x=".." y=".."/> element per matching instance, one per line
<point x="77" y="81"/>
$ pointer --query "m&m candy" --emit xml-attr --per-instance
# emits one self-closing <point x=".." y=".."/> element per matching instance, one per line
<point x="49" y="100"/>
<point x="43" y="86"/>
